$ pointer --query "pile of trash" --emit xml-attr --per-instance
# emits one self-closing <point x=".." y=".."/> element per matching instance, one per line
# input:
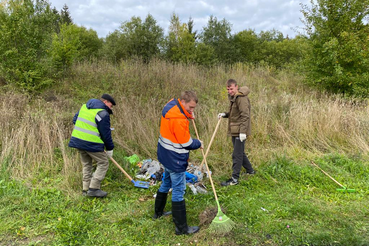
<point x="153" y="171"/>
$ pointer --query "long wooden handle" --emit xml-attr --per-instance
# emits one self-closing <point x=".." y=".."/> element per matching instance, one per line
<point x="204" y="160"/>
<point x="327" y="174"/>
<point x="118" y="166"/>
<point x="211" y="141"/>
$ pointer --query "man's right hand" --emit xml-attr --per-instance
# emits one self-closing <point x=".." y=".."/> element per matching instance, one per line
<point x="221" y="115"/>
<point x="109" y="153"/>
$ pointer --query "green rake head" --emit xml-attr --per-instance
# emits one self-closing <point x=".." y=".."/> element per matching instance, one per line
<point x="221" y="223"/>
<point x="344" y="189"/>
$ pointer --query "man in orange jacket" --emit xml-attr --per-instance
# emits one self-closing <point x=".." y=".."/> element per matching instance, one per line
<point x="174" y="147"/>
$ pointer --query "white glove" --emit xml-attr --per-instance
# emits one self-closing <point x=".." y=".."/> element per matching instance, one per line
<point x="242" y="137"/>
<point x="109" y="153"/>
<point x="221" y="115"/>
<point x="202" y="144"/>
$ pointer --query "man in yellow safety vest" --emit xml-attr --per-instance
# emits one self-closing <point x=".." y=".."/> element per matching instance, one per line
<point x="91" y="136"/>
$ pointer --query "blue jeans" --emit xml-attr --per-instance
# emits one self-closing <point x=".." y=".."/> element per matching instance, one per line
<point x="174" y="180"/>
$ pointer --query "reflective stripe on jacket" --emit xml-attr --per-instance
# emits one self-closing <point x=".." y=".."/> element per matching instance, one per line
<point x="85" y="127"/>
<point x="175" y="141"/>
<point x="92" y="132"/>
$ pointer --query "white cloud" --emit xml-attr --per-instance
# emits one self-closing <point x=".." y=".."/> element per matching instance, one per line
<point x="259" y="15"/>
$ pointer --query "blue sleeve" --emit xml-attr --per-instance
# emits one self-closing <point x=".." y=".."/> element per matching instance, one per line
<point x="104" y="129"/>
<point x="195" y="145"/>
<point x="75" y="118"/>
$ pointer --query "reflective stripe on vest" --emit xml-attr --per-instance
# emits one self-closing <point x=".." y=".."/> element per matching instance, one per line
<point x="169" y="145"/>
<point x="85" y="127"/>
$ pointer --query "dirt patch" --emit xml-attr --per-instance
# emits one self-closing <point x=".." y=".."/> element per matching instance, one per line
<point x="207" y="216"/>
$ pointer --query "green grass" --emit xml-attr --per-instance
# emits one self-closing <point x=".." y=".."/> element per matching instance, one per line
<point x="287" y="202"/>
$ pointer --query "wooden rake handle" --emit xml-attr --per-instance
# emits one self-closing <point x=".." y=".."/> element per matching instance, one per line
<point x="120" y="168"/>
<point x="211" y="141"/>
<point x="204" y="155"/>
<point x="327" y="175"/>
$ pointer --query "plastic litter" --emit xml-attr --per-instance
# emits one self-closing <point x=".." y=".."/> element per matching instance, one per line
<point x="153" y="170"/>
<point x="193" y="188"/>
<point x="201" y="188"/>
<point x="133" y="159"/>
<point x="264" y="209"/>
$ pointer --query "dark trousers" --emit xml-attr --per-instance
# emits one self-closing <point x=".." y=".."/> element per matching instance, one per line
<point x="239" y="158"/>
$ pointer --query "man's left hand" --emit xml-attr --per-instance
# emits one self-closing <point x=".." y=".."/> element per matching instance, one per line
<point x="242" y="137"/>
<point x="202" y="144"/>
<point x="109" y="153"/>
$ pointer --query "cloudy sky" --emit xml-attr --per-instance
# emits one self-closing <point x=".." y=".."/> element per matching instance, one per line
<point x="259" y="15"/>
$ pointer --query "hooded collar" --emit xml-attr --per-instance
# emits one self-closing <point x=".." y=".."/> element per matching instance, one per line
<point x="183" y="111"/>
<point x="97" y="104"/>
<point x="242" y="91"/>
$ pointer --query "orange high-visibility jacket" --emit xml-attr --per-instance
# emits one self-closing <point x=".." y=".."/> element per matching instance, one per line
<point x="175" y="141"/>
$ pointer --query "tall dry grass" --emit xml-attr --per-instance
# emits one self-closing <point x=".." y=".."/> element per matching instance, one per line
<point x="286" y="116"/>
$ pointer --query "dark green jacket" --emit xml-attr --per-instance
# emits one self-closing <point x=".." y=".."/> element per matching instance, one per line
<point x="239" y="113"/>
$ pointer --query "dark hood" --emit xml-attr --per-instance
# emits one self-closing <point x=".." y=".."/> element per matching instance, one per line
<point x="96" y="104"/>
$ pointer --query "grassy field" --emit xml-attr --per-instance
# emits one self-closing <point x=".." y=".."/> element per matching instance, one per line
<point x="288" y="201"/>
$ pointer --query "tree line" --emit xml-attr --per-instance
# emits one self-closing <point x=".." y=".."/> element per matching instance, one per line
<point x="38" y="44"/>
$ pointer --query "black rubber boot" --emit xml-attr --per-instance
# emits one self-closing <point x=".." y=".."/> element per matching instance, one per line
<point x="180" y="219"/>
<point x="160" y="202"/>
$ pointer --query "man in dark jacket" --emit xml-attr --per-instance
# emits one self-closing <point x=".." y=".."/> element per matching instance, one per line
<point x="91" y="135"/>
<point x="239" y="127"/>
<point x="174" y="147"/>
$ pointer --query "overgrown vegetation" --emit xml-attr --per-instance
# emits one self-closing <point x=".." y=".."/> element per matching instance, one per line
<point x="61" y="65"/>
<point x="338" y="31"/>
<point x="39" y="44"/>
<point x="288" y="202"/>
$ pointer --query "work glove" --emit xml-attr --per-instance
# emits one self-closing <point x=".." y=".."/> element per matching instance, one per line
<point x="202" y="144"/>
<point x="242" y="137"/>
<point x="109" y="153"/>
<point x="221" y="115"/>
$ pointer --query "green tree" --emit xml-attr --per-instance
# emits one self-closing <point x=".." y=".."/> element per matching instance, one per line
<point x="141" y="39"/>
<point x="339" y="55"/>
<point x="180" y="43"/>
<point x="73" y="43"/>
<point x="273" y="35"/>
<point x="90" y="44"/>
<point x="65" y="17"/>
<point x="114" y="48"/>
<point x="247" y="46"/>
<point x="282" y="53"/>
<point x="65" y="46"/>
<point x="217" y="34"/>
<point x="205" y="55"/>
<point x="25" y="36"/>
<point x="190" y="25"/>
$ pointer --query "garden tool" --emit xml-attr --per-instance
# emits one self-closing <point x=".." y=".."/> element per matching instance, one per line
<point x="221" y="223"/>
<point x="343" y="188"/>
<point x="139" y="184"/>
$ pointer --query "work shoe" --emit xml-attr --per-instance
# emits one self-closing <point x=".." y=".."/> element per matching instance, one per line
<point x="96" y="193"/>
<point x="84" y="192"/>
<point x="230" y="181"/>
